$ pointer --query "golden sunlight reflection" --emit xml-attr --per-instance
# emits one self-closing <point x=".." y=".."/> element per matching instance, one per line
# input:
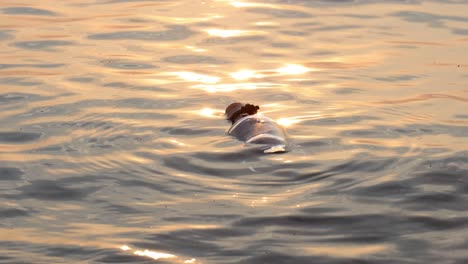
<point x="348" y="251"/>
<point x="209" y="112"/>
<point x="195" y="49"/>
<point x="125" y="248"/>
<point x="245" y="75"/>
<point x="175" y="141"/>
<point x="228" y="33"/>
<point x="293" y="69"/>
<point x="148" y="253"/>
<point x="196" y="77"/>
<point x="236" y="3"/>
<point x="289" y="121"/>
<point x="153" y="254"/>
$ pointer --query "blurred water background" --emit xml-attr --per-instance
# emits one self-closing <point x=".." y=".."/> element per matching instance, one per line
<point x="113" y="145"/>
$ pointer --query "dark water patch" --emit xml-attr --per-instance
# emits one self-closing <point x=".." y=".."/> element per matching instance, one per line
<point x="5" y="35"/>
<point x="152" y="186"/>
<point x="107" y="179"/>
<point x="460" y="31"/>
<point x="171" y="34"/>
<point x="335" y="28"/>
<point x="338" y="120"/>
<point x="235" y="157"/>
<point x="23" y="10"/>
<point x="397" y="78"/>
<point x="121" y="209"/>
<point x="306" y="24"/>
<point x="278" y="97"/>
<point x="9" y="98"/>
<point x="280" y="13"/>
<point x="359" y="16"/>
<point x="136" y="87"/>
<point x="19" y="81"/>
<point x="10" y="173"/>
<point x="233" y="40"/>
<point x="413" y="130"/>
<point x="347" y="91"/>
<point x="356" y="224"/>
<point x="386" y="190"/>
<point x="294" y="33"/>
<point x="82" y="125"/>
<point x="194" y="59"/>
<point x="143" y="103"/>
<point x="4" y="258"/>
<point x="126" y="64"/>
<point x="204" y="218"/>
<point x="368" y="165"/>
<point x="319" y="210"/>
<point x="52" y="149"/>
<point x="140" y="116"/>
<point x="405" y="47"/>
<point x="75" y="252"/>
<point x="196" y="243"/>
<point x="430" y="19"/>
<point x="21" y="65"/>
<point x="44" y="45"/>
<point x="268" y="256"/>
<point x="435" y="201"/>
<point x="55" y="110"/>
<point x="191" y="166"/>
<point x="271" y="55"/>
<point x="282" y="45"/>
<point x="322" y="145"/>
<point x="461" y="116"/>
<point x="119" y="257"/>
<point x="185" y="131"/>
<point x="290" y="177"/>
<point x="82" y="79"/>
<point x="360" y="168"/>
<point x="13" y="212"/>
<point x="451" y="176"/>
<point x="54" y="191"/>
<point x="290" y="174"/>
<point x="323" y="53"/>
<point x="18" y="137"/>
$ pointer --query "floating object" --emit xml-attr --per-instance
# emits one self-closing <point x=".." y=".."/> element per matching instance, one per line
<point x="254" y="128"/>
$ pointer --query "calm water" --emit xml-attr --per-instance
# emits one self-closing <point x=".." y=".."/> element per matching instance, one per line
<point x="113" y="146"/>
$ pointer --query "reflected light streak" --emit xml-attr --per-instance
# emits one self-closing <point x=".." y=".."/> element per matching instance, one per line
<point x="239" y="4"/>
<point x="286" y="122"/>
<point x="348" y="251"/>
<point x="177" y="142"/>
<point x="153" y="254"/>
<point x="196" y="77"/>
<point x="245" y="75"/>
<point x="148" y="253"/>
<point x="289" y="121"/>
<point x="266" y="23"/>
<point x="125" y="248"/>
<point x="228" y="33"/>
<point x="293" y="69"/>
<point x="195" y="49"/>
<point x="209" y="112"/>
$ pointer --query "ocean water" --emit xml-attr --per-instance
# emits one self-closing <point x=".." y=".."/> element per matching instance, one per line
<point x="113" y="144"/>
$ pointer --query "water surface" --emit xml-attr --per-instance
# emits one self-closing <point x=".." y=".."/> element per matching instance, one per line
<point x="113" y="147"/>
